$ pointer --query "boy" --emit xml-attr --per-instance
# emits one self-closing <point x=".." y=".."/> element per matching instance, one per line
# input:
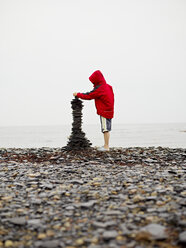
<point x="104" y="102"/>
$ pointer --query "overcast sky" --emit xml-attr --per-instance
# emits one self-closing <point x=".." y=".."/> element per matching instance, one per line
<point x="49" y="48"/>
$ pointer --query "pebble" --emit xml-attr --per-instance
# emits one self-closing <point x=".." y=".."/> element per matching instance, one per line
<point x="128" y="197"/>
<point x="86" y="204"/>
<point x="109" y="235"/>
<point x="9" y="243"/>
<point x="157" y="231"/>
<point x="103" y="224"/>
<point x="47" y="244"/>
<point x="182" y="237"/>
<point x="18" y="221"/>
<point x="34" y="222"/>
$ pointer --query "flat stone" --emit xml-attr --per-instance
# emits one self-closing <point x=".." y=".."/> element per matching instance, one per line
<point x="103" y="224"/>
<point x="157" y="231"/>
<point x="112" y="212"/>
<point x="151" y="210"/>
<point x="69" y="208"/>
<point x="182" y="237"/>
<point x="76" y="181"/>
<point x="94" y="246"/>
<point x="151" y="198"/>
<point x="48" y="186"/>
<point x="47" y="244"/>
<point x="86" y="204"/>
<point x="36" y="201"/>
<point x="34" y="222"/>
<point x="182" y="223"/>
<point x="110" y="235"/>
<point x="18" y="221"/>
<point x="43" y="195"/>
<point x="149" y="160"/>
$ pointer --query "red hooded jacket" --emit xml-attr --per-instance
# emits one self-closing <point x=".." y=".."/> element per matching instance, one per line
<point x="103" y="95"/>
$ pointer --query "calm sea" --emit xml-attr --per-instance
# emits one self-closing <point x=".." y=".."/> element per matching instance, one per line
<point x="123" y="135"/>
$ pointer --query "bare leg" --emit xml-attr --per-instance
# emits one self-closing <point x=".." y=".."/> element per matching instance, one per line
<point x="106" y="139"/>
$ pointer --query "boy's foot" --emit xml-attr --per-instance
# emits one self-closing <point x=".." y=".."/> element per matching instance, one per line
<point x="102" y="149"/>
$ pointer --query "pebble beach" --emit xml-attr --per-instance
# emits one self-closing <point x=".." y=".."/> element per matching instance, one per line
<point x="127" y="197"/>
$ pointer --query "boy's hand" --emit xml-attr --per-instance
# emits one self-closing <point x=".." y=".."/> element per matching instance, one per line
<point x="75" y="94"/>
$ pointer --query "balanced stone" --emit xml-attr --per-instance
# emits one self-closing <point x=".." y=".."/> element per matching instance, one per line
<point x="77" y="140"/>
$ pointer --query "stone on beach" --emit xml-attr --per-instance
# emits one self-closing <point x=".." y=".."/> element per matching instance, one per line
<point x="18" y="221"/>
<point x="182" y="237"/>
<point x="51" y="197"/>
<point x="157" y="231"/>
<point x="109" y="235"/>
<point x="77" y="140"/>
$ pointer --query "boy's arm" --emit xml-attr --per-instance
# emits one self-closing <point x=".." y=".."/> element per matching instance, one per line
<point x="90" y="95"/>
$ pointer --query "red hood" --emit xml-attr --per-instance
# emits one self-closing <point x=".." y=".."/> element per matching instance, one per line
<point x="97" y="78"/>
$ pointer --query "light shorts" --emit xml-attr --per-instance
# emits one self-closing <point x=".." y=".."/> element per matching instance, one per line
<point x="105" y="124"/>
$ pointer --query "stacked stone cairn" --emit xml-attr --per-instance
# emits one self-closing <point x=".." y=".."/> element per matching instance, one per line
<point x="77" y="139"/>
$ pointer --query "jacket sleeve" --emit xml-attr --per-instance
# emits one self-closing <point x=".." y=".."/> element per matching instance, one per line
<point x="95" y="93"/>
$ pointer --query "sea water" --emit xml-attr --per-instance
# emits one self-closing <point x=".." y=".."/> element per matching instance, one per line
<point x="171" y="135"/>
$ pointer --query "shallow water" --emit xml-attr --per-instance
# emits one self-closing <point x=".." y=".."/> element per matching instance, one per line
<point x="123" y="135"/>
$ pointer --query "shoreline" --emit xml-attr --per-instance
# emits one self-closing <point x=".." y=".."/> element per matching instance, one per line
<point x="118" y="155"/>
<point x="127" y="197"/>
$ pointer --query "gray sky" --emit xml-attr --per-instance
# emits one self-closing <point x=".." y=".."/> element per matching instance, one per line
<point x="49" y="48"/>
